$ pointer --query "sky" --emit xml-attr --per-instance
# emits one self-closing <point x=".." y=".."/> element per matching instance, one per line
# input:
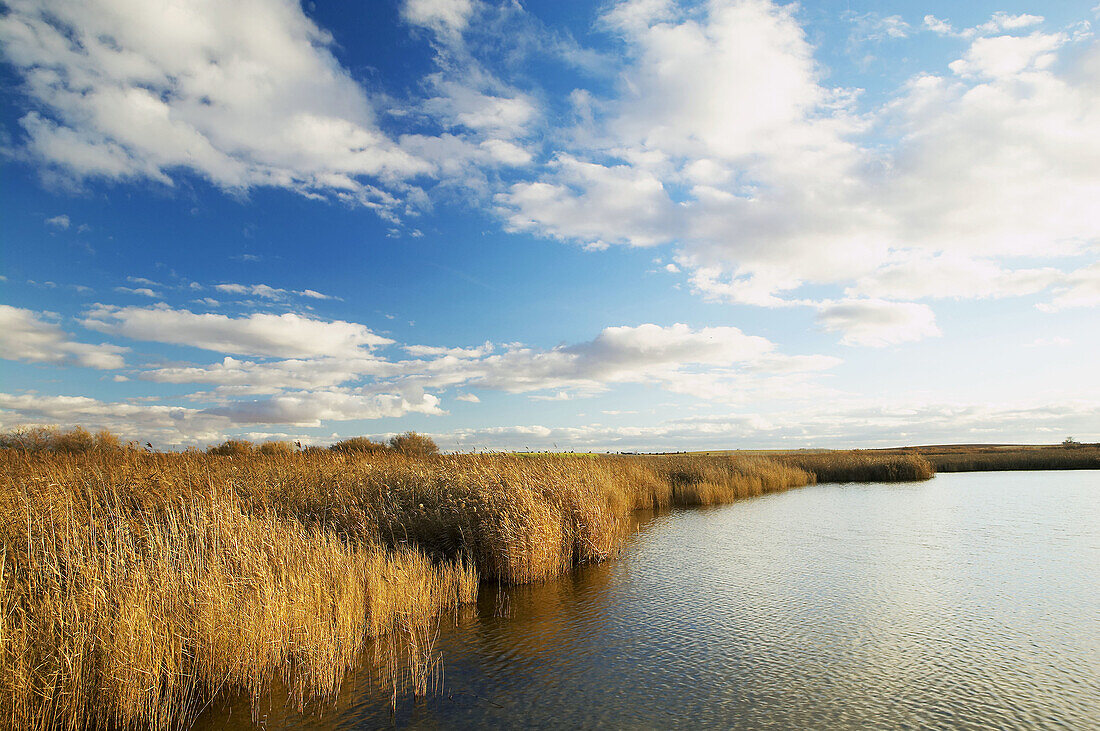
<point x="624" y="225"/>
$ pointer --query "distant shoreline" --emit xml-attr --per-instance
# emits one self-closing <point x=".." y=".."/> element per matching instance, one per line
<point x="963" y="457"/>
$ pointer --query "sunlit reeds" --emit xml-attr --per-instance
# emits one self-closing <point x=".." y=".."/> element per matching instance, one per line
<point x="137" y="586"/>
<point x="861" y="466"/>
<point x="990" y="458"/>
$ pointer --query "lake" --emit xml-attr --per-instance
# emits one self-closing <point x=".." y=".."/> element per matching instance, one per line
<point x="971" y="601"/>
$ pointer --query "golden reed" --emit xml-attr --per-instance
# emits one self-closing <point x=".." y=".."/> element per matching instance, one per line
<point x="135" y="587"/>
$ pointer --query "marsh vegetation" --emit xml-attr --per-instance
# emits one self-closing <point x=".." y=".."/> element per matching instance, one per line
<point x="137" y="586"/>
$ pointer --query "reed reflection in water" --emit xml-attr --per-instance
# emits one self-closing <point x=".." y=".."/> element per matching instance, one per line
<point x="965" y="602"/>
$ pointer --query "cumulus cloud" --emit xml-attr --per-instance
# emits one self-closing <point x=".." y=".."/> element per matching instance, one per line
<point x="343" y="380"/>
<point x="311" y="408"/>
<point x="1000" y="22"/>
<point x="914" y="276"/>
<point x="435" y="350"/>
<point x="140" y="291"/>
<point x="1003" y="56"/>
<point x="1079" y="289"/>
<point x="176" y="425"/>
<point x="165" y="425"/>
<point x="171" y="425"/>
<point x="875" y="27"/>
<point x="720" y="363"/>
<point x="482" y="104"/>
<point x="617" y="354"/>
<point x="724" y="141"/>
<point x="26" y="336"/>
<point x="60" y="222"/>
<point x="241" y="94"/>
<point x="442" y="16"/>
<point x="487" y="124"/>
<point x="715" y="363"/>
<point x="233" y="375"/>
<point x="877" y="323"/>
<point x="281" y="336"/>
<point x="270" y="293"/>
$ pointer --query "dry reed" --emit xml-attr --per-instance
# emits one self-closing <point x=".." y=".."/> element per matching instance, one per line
<point x="135" y="587"/>
<point x="861" y="466"/>
<point x="991" y="458"/>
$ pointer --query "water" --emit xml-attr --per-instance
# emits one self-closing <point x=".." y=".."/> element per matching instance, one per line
<point x="968" y="602"/>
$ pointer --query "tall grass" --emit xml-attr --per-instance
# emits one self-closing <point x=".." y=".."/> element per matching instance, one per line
<point x="861" y="466"/>
<point x="983" y="459"/>
<point x="135" y="586"/>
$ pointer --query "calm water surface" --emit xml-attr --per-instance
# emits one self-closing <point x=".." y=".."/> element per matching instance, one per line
<point x="971" y="601"/>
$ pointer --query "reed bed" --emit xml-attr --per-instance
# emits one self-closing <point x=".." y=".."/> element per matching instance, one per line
<point x="859" y="465"/>
<point x="135" y="587"/>
<point x="985" y="459"/>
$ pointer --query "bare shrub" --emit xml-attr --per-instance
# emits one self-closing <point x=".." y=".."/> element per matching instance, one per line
<point x="414" y="445"/>
<point x="276" y="448"/>
<point x="105" y="441"/>
<point x="358" y="444"/>
<point x="232" y="448"/>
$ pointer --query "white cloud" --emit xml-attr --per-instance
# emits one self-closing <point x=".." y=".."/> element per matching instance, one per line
<point x="723" y="106"/>
<point x="875" y="27"/>
<point x="421" y="351"/>
<point x="719" y="363"/>
<point x="61" y="222"/>
<point x="1056" y="341"/>
<point x="242" y="94"/>
<point x="591" y="203"/>
<point x="720" y="135"/>
<point x="876" y="322"/>
<point x="685" y="90"/>
<point x="282" y="336"/>
<point x="724" y="141"/>
<point x="177" y="425"/>
<point x="257" y="290"/>
<point x="25" y="336"/>
<point x="164" y="425"/>
<point x="1000" y="22"/>
<point x="268" y="292"/>
<point x="938" y="25"/>
<point x="559" y="396"/>
<point x="311" y="408"/>
<point x="1078" y="289"/>
<point x="506" y="152"/>
<point x="468" y="397"/>
<point x="1007" y="56"/>
<point x="913" y="276"/>
<point x="237" y="376"/>
<point x="839" y="425"/>
<point x="463" y="104"/>
<point x="142" y="291"/>
<point x="441" y="16"/>
<point x="488" y="125"/>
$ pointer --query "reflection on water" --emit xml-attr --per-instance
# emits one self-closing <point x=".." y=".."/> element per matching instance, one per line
<point x="966" y="602"/>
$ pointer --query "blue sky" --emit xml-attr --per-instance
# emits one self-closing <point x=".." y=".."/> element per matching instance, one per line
<point x="620" y="225"/>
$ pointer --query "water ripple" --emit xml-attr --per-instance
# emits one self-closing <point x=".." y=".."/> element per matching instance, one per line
<point x="968" y="602"/>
